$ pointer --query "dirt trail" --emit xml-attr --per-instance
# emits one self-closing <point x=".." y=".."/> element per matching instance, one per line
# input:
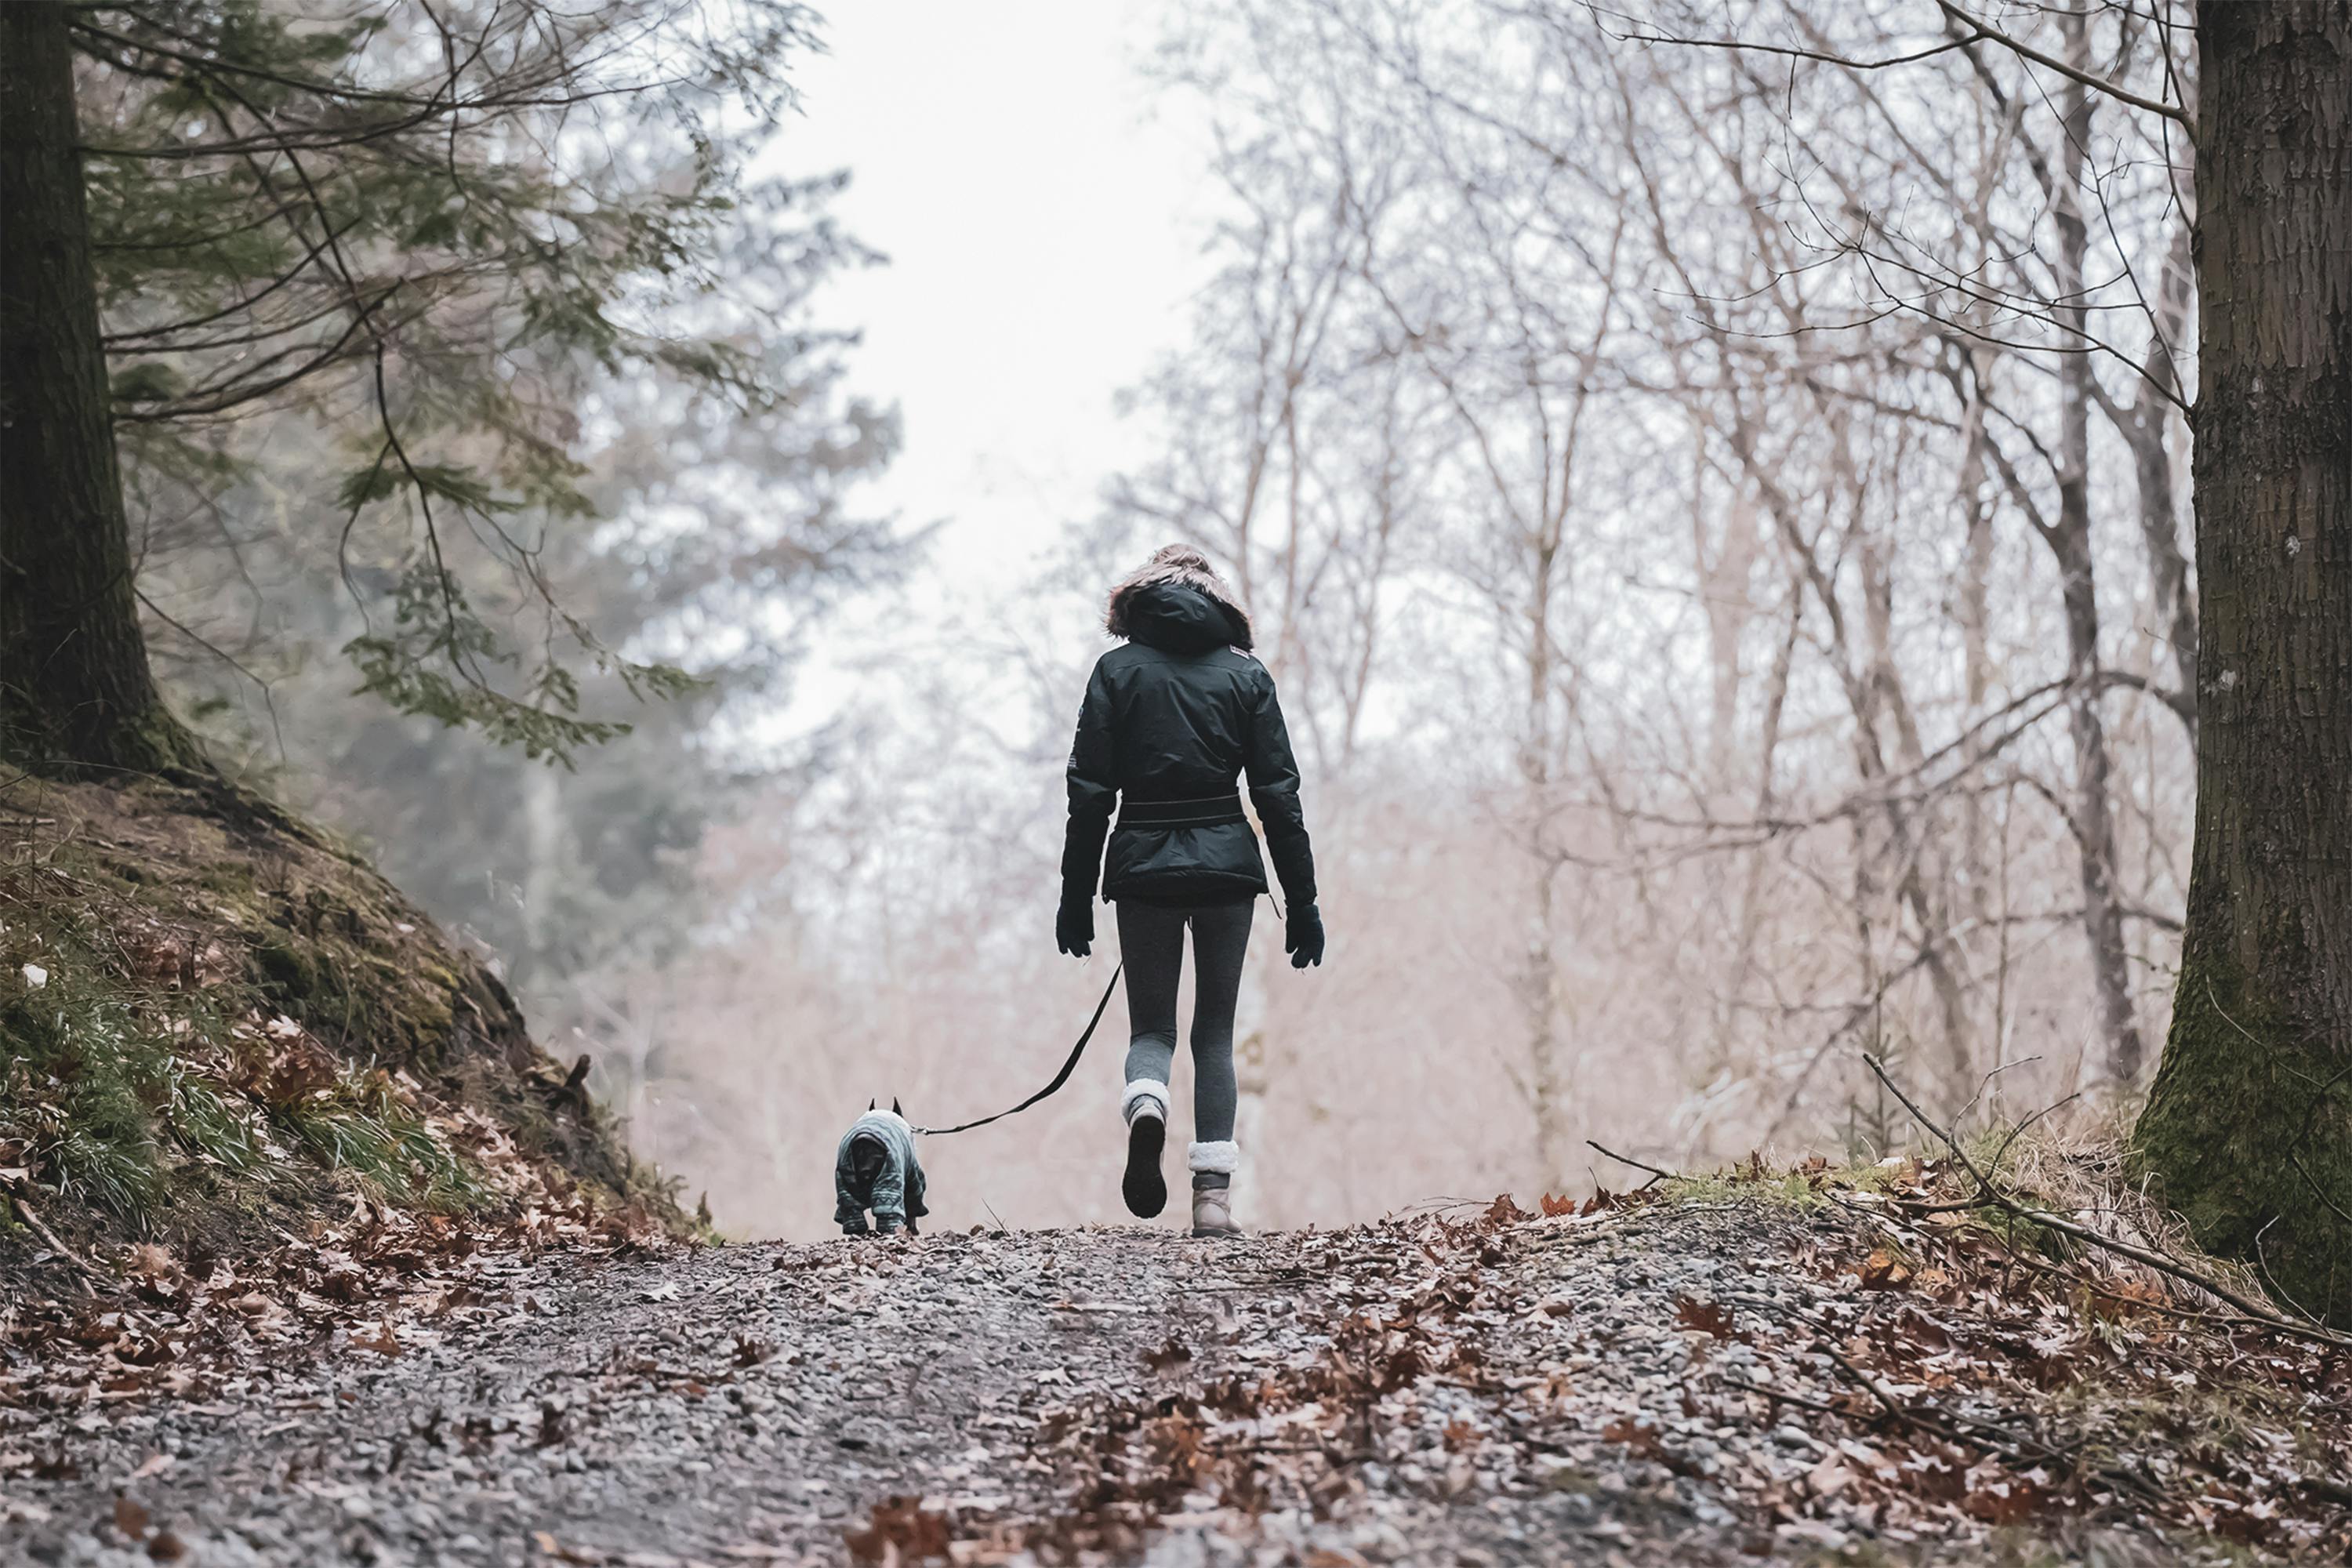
<point x="1579" y="1389"/>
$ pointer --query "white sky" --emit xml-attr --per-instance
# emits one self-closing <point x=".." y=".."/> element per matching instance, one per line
<point x="1040" y="220"/>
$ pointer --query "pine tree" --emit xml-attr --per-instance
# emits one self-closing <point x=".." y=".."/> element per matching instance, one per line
<point x="424" y="233"/>
<point x="74" y="682"/>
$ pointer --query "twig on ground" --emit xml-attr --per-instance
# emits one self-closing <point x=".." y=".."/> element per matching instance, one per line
<point x="1877" y="1390"/>
<point x="1778" y="1397"/>
<point x="1637" y="1164"/>
<point x="89" y="1275"/>
<point x="2334" y="1491"/>
<point x="1906" y="1214"/>
<point x="1952" y="1428"/>
<point x="2301" y="1328"/>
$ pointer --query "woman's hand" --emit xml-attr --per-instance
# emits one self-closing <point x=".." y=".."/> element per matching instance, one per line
<point x="1303" y="939"/>
<point x="1074" y="927"/>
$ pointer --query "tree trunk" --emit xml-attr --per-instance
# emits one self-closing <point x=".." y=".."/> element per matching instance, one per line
<point x="2248" y="1131"/>
<point x="2092" y="817"/>
<point x="1548" y="1083"/>
<point x="2145" y="426"/>
<point x="75" y="688"/>
<point x="1974" y="612"/>
<point x="544" y="862"/>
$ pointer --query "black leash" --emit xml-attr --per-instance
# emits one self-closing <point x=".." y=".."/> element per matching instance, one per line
<point x="1060" y="1078"/>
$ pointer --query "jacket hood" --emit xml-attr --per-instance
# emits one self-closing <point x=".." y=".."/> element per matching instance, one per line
<point x="1177" y="603"/>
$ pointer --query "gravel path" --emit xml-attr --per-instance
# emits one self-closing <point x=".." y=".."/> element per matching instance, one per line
<point x="1576" y="1389"/>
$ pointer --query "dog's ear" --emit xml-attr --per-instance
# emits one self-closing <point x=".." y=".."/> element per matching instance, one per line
<point x="893" y="1107"/>
<point x="872" y="1104"/>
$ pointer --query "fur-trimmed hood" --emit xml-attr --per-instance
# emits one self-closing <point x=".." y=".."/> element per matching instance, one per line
<point x="1177" y="602"/>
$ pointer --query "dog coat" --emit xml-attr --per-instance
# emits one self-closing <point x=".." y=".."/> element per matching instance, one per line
<point x="898" y="1194"/>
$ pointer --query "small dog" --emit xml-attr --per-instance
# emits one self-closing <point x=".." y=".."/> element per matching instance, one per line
<point x="875" y="1168"/>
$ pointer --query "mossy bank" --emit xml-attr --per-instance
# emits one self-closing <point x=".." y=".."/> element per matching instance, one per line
<point x="216" y="1021"/>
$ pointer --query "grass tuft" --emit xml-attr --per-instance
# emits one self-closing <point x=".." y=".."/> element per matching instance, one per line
<point x="108" y="1089"/>
<point x="360" y="1126"/>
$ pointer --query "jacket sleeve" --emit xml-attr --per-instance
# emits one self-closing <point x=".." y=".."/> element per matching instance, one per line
<point x="1274" y="790"/>
<point x="1094" y="791"/>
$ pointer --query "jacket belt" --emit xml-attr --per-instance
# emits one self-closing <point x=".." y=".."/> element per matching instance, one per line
<point x="1208" y="811"/>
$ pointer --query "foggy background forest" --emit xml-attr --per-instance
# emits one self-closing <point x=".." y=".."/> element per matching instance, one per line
<point x="1718" y="520"/>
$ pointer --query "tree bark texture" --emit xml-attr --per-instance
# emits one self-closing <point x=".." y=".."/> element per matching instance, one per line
<point x="2248" y="1130"/>
<point x="75" y="687"/>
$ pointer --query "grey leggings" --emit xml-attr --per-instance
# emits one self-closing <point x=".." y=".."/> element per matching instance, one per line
<point x="1151" y="943"/>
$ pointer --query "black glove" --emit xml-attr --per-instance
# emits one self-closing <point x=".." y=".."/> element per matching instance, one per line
<point x="1304" y="939"/>
<point x="1074" y="927"/>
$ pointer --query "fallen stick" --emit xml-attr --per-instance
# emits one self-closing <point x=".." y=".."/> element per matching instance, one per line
<point x="1612" y="1154"/>
<point x="1952" y="1427"/>
<point x="1904" y="1213"/>
<point x="2301" y="1328"/>
<point x="1779" y="1396"/>
<point x="49" y="1240"/>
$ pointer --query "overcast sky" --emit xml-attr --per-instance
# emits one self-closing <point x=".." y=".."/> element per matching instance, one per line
<point x="1042" y="222"/>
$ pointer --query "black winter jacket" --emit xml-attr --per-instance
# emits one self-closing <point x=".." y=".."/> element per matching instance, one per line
<point x="1170" y="721"/>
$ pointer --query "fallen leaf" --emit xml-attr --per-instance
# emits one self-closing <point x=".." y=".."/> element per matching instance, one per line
<point x="380" y="1339"/>
<point x="148" y="1261"/>
<point x="2004" y="1502"/>
<point x="1503" y="1211"/>
<point x="1401" y="1369"/>
<point x="900" y="1527"/>
<point x="1883" y="1271"/>
<point x="1829" y="1477"/>
<point x="1171" y="1354"/>
<point x="130" y="1518"/>
<point x="1710" y="1318"/>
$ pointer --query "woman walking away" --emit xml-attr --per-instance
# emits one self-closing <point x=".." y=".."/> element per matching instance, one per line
<point x="1170" y="720"/>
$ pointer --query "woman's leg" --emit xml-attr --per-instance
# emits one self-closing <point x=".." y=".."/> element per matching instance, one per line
<point x="1151" y="945"/>
<point x="1220" y="945"/>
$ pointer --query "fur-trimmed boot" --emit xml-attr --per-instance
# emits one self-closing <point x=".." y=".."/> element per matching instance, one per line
<point x="1145" y="1109"/>
<point x="1213" y="1188"/>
